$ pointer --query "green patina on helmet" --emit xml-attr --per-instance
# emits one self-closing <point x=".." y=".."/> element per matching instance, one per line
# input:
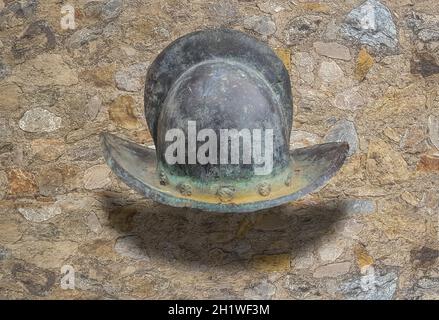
<point x="219" y="80"/>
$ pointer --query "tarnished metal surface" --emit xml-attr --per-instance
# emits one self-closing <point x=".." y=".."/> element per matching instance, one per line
<point x="221" y="79"/>
<point x="136" y="166"/>
<point x="201" y="46"/>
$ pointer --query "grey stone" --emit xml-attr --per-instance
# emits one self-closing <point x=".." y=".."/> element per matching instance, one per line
<point x="93" y="9"/>
<point x="261" y="24"/>
<point x="428" y="283"/>
<point x="4" y="70"/>
<point x="332" y="50"/>
<point x="85" y="150"/>
<point x="4" y="253"/>
<point x="131" y="78"/>
<point x="424" y="64"/>
<point x="332" y="30"/>
<point x="372" y="24"/>
<point x="39" y="120"/>
<point x="371" y="286"/>
<point x="330" y="72"/>
<point x="111" y="9"/>
<point x="45" y="70"/>
<point x="301" y="28"/>
<point x="344" y="131"/>
<point x="433" y="130"/>
<point x="424" y="26"/>
<point x="93" y="223"/>
<point x="270" y="7"/>
<point x="304" y="63"/>
<point x="21" y="9"/>
<point x="223" y="11"/>
<point x="40" y="214"/>
<point x="83" y="36"/>
<point x="264" y="290"/>
<point x="131" y="247"/>
<point x="50" y="181"/>
<point x="357" y="206"/>
<point x="31" y="41"/>
<point x="3" y="184"/>
<point x="94" y="105"/>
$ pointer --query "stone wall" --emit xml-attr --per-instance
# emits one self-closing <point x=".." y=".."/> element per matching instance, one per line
<point x="364" y="73"/>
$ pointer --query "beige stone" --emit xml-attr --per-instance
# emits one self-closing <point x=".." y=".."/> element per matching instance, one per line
<point x="316" y="7"/>
<point x="433" y="130"/>
<point x="40" y="213"/>
<point x="330" y="72"/>
<point x="48" y="149"/>
<point x="331" y="249"/>
<point x="97" y="177"/>
<point x="410" y="198"/>
<point x="392" y="134"/>
<point x="101" y="76"/>
<point x="3" y="184"/>
<point x="10" y="232"/>
<point x="45" y="254"/>
<point x="122" y="112"/>
<point x="384" y="165"/>
<point x="332" y="270"/>
<point x="332" y="50"/>
<point x="301" y="139"/>
<point x="45" y="70"/>
<point x="11" y="97"/>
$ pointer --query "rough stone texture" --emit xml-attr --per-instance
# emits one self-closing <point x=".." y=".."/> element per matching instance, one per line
<point x="344" y="131"/>
<point x="97" y="177"/>
<point x="385" y="165"/>
<point x="301" y="28"/>
<point x="332" y="50"/>
<point x="262" y="25"/>
<point x="330" y="72"/>
<point x="301" y="139"/>
<point x="48" y="149"/>
<point x="371" y="233"/>
<point x="371" y="23"/>
<point x="40" y="214"/>
<point x="121" y="111"/>
<point x="132" y="77"/>
<point x="349" y="99"/>
<point x="39" y="120"/>
<point x="433" y="130"/>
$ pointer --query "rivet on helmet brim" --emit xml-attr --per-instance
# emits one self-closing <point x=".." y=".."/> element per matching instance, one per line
<point x="264" y="189"/>
<point x="163" y="178"/>
<point x="226" y="193"/>
<point x="185" y="189"/>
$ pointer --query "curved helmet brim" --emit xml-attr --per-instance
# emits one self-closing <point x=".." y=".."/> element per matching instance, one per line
<point x="136" y="166"/>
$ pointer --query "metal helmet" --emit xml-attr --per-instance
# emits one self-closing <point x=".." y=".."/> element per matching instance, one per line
<point x="218" y="105"/>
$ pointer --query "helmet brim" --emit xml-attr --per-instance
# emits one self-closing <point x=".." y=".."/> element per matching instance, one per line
<point x="136" y="166"/>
